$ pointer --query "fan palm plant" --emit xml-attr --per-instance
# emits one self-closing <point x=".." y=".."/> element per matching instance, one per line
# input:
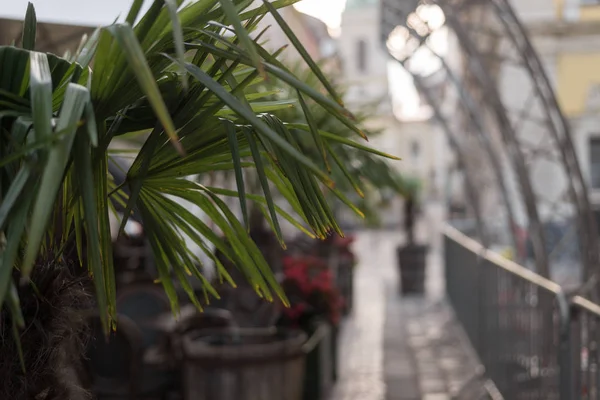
<point x="182" y="79"/>
<point x="360" y="175"/>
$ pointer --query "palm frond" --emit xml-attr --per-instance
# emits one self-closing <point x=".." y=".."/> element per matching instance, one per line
<point x="190" y="90"/>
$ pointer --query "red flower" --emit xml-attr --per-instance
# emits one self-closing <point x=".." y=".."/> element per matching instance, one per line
<point x="309" y="284"/>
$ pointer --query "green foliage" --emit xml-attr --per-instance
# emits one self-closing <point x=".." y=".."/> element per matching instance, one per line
<point x="360" y="172"/>
<point x="185" y="86"/>
<point x="410" y="187"/>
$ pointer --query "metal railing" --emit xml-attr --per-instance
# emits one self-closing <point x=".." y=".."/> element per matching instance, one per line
<point x="584" y="335"/>
<point x="533" y="341"/>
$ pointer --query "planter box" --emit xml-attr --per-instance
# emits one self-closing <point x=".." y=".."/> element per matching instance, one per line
<point x="244" y="364"/>
<point x="412" y="262"/>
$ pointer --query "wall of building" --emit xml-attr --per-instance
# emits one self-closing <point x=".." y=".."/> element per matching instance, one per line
<point x="589" y="13"/>
<point x="535" y="10"/>
<point x="52" y="38"/>
<point x="573" y="62"/>
<point x="418" y="142"/>
<point x="370" y="82"/>
<point x="577" y="73"/>
<point x="275" y="38"/>
<point x="568" y="43"/>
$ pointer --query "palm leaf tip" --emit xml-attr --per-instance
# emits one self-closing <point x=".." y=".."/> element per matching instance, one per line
<point x="29" y="28"/>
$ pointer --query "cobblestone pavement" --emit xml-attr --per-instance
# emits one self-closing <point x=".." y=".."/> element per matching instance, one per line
<point x="426" y="357"/>
<point x="360" y="373"/>
<point x="395" y="348"/>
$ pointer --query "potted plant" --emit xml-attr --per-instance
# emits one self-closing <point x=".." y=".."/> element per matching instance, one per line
<point x="181" y="79"/>
<point x="315" y="307"/>
<point x="247" y="307"/>
<point x="242" y="364"/>
<point x="411" y="256"/>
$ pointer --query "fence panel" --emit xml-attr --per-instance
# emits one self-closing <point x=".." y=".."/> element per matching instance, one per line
<point x="516" y="320"/>
<point x="585" y="356"/>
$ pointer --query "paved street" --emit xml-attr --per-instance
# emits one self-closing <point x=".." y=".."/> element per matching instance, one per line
<point x="395" y="348"/>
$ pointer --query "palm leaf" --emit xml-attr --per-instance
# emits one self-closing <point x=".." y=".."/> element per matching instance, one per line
<point x="189" y="92"/>
<point x="29" y="28"/>
<point x="76" y="97"/>
<point x="298" y="46"/>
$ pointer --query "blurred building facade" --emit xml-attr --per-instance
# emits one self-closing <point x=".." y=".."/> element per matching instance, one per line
<point x="51" y="37"/>
<point x="371" y="78"/>
<point x="310" y="31"/>
<point x="497" y="93"/>
<point x="566" y="37"/>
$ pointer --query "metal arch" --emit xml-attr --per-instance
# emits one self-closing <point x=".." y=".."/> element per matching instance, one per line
<point x="474" y="113"/>
<point x="485" y="60"/>
<point x="455" y="144"/>
<point x="556" y="132"/>
<point x="475" y="116"/>
<point x="494" y="101"/>
<point x="560" y="129"/>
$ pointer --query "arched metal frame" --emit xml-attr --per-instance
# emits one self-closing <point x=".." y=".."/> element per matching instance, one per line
<point x="493" y="40"/>
<point x="452" y="136"/>
<point x="477" y="124"/>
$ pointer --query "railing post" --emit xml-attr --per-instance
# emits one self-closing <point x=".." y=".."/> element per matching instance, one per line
<point x="565" y="351"/>
<point x="575" y="348"/>
<point x="481" y="305"/>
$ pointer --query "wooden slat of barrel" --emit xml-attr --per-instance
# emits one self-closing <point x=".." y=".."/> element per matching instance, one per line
<point x="265" y="368"/>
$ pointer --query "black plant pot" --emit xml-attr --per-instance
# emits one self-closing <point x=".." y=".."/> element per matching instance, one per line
<point x="412" y="261"/>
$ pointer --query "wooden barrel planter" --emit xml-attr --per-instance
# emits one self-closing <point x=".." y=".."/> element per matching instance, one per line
<point x="320" y="362"/>
<point x="243" y="364"/>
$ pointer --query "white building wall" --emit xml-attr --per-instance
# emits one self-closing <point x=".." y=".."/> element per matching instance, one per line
<point x="362" y="24"/>
<point x="534" y="10"/>
<point x="400" y="138"/>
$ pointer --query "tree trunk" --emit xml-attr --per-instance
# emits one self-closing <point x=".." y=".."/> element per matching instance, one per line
<point x="409" y="220"/>
<point x="53" y="339"/>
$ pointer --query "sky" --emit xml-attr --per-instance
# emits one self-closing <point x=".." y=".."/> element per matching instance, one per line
<point x="83" y="12"/>
<point x="103" y="12"/>
<point x="328" y="11"/>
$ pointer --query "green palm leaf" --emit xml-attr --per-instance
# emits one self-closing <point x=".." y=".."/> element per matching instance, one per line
<point x="188" y="91"/>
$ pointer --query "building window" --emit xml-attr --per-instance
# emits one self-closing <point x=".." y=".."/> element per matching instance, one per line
<point x="362" y="55"/>
<point x="595" y="162"/>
